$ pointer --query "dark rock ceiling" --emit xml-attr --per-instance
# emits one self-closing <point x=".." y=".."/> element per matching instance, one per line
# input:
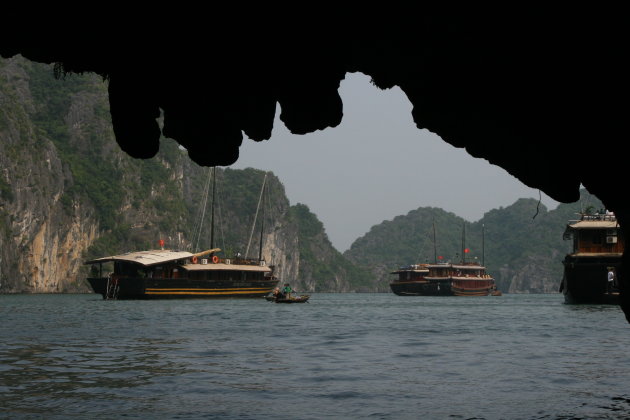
<point x="536" y="92"/>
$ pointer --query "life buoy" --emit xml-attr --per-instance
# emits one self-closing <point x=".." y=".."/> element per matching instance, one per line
<point x="215" y="259"/>
<point x="194" y="259"/>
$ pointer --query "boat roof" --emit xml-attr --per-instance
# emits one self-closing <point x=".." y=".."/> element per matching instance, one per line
<point x="415" y="268"/>
<point x="221" y="266"/>
<point x="597" y="254"/>
<point x="411" y="270"/>
<point x="594" y="224"/>
<point x="146" y="258"/>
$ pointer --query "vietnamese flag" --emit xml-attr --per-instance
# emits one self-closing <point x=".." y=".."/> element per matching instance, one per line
<point x="467" y="250"/>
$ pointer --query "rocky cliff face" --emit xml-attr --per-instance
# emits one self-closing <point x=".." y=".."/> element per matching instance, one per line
<point x="536" y="275"/>
<point x="41" y="236"/>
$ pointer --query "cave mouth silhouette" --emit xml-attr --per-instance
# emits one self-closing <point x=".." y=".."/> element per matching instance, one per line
<point x="534" y="93"/>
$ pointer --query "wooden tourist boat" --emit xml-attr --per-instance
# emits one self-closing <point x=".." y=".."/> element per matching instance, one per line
<point x="445" y="279"/>
<point x="464" y="279"/>
<point x="598" y="246"/>
<point x="166" y="274"/>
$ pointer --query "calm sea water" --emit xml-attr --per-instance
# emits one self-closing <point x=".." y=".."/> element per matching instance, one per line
<point x="339" y="356"/>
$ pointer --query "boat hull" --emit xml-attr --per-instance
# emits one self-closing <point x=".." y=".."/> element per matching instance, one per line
<point x="480" y="291"/>
<point x="585" y="280"/>
<point x="421" y="288"/>
<point x="178" y="288"/>
<point x="474" y="286"/>
<point x="450" y="286"/>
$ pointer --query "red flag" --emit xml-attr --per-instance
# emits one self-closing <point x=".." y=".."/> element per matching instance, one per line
<point x="467" y="250"/>
<point x="440" y="257"/>
<point x="161" y="243"/>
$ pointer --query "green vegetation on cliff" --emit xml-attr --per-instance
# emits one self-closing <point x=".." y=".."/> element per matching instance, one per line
<point x="73" y="114"/>
<point x="92" y="175"/>
<point x="321" y="260"/>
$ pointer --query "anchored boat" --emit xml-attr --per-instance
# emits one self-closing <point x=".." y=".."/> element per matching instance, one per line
<point x="591" y="269"/>
<point x="464" y="279"/>
<point x="445" y="279"/>
<point x="168" y="274"/>
<point x="164" y="274"/>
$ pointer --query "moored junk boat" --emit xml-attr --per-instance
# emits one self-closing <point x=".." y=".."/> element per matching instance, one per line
<point x="166" y="274"/>
<point x="591" y="268"/>
<point x="464" y="279"/>
<point x="445" y="279"/>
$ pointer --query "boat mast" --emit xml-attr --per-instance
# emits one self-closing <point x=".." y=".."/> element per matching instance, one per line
<point x="214" y="183"/>
<point x="464" y="243"/>
<point x="434" y="244"/>
<point x="251" y="234"/>
<point x="483" y="245"/>
<point x="262" y="219"/>
<point x="202" y="214"/>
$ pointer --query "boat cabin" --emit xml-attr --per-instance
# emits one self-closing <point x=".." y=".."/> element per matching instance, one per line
<point x="166" y="264"/>
<point x="412" y="272"/>
<point x="457" y="270"/>
<point x="229" y="271"/>
<point x="598" y="233"/>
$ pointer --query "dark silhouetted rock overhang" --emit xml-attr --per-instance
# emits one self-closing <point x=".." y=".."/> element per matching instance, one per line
<point x="536" y="93"/>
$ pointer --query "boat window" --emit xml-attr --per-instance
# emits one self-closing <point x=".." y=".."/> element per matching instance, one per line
<point x="126" y="269"/>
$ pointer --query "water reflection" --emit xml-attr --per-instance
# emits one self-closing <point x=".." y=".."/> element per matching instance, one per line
<point x="41" y="373"/>
<point x="584" y="307"/>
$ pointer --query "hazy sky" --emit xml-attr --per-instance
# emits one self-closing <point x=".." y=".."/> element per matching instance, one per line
<point x="377" y="165"/>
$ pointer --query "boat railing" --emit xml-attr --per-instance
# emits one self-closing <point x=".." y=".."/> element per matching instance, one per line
<point x="243" y="261"/>
<point x="599" y="216"/>
<point x="413" y="267"/>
